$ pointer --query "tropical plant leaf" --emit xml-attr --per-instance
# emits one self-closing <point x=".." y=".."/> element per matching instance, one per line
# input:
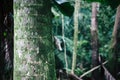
<point x="65" y="7"/>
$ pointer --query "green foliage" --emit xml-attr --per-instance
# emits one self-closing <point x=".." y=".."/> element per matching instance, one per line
<point x="112" y="3"/>
<point x="96" y="1"/>
<point x="60" y="57"/>
<point x="65" y="8"/>
<point x="5" y="34"/>
<point x="106" y="18"/>
<point x="78" y="71"/>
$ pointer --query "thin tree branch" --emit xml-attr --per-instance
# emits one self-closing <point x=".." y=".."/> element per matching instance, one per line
<point x="91" y="70"/>
<point x="74" y="76"/>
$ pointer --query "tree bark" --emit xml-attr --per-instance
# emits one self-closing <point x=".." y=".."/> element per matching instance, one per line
<point x="33" y="47"/>
<point x="63" y="37"/>
<point x="6" y="40"/>
<point x="116" y="44"/>
<point x="94" y="40"/>
<point x="76" y="15"/>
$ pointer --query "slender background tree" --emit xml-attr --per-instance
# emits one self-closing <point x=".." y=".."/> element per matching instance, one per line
<point x="94" y="39"/>
<point x="76" y="15"/>
<point x="116" y="45"/>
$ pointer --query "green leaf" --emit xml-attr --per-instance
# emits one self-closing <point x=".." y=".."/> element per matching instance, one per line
<point x="56" y="14"/>
<point x="5" y="34"/>
<point x="65" y="8"/>
<point x="113" y="3"/>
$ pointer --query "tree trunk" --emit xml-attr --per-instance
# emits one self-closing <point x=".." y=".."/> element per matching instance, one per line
<point x="76" y="15"/>
<point x="63" y="37"/>
<point x="33" y="48"/>
<point x="94" y="40"/>
<point x="6" y="40"/>
<point x="116" y="44"/>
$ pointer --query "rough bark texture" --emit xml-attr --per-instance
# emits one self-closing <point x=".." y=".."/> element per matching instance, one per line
<point x="34" y="58"/>
<point x="94" y="40"/>
<point x="116" y="45"/>
<point x="76" y="15"/>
